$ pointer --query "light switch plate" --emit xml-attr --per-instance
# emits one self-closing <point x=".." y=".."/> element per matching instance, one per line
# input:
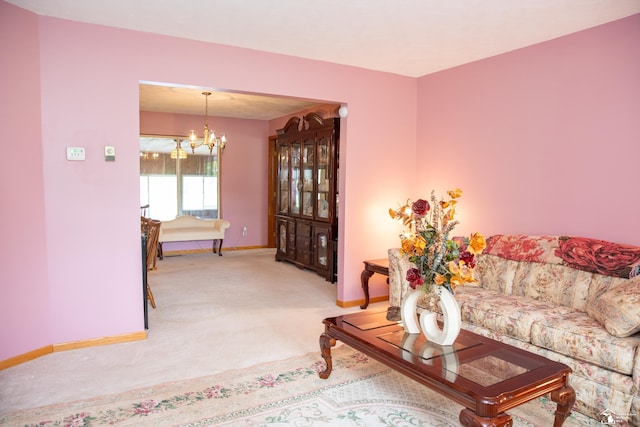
<point x="75" y="153"/>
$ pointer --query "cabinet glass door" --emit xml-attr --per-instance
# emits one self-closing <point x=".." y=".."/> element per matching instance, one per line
<point x="282" y="236"/>
<point x="322" y="182"/>
<point x="321" y="248"/>
<point x="322" y="245"/>
<point x="283" y="182"/>
<point x="296" y="181"/>
<point x="307" y="178"/>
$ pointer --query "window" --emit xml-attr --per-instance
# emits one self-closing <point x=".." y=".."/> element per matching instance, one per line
<point x="161" y="192"/>
<point x="200" y="194"/>
<point x="173" y="187"/>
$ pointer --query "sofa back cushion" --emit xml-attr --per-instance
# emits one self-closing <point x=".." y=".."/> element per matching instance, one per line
<point x="581" y="253"/>
<point x="495" y="273"/>
<point x="530" y="266"/>
<point x="594" y="276"/>
<point x="553" y="283"/>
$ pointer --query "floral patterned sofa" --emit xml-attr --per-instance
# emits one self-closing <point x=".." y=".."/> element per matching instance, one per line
<point x="574" y="300"/>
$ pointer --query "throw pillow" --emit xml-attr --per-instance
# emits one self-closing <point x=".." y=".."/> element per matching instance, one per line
<point x="618" y="309"/>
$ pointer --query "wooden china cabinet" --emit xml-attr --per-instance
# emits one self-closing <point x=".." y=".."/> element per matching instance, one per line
<point x="306" y="213"/>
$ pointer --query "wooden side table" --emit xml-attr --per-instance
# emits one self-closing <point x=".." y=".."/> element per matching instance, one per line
<point x="380" y="266"/>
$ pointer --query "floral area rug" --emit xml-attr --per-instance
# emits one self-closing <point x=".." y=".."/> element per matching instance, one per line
<point x="359" y="392"/>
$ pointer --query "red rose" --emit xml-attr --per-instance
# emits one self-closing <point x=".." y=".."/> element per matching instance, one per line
<point x="468" y="258"/>
<point x="420" y="207"/>
<point x="414" y="278"/>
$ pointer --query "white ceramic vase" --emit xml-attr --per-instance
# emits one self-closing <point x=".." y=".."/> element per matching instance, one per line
<point x="427" y="323"/>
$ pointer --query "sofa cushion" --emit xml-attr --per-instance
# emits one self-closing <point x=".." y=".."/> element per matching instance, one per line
<point x="553" y="283"/>
<point x="506" y="314"/>
<point x="596" y="388"/>
<point x="577" y="335"/>
<point x="618" y="309"/>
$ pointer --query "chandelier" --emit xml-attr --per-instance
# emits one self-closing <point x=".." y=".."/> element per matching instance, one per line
<point x="209" y="137"/>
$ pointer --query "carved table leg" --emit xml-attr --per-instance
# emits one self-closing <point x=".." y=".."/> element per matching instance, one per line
<point x="565" y="398"/>
<point x="326" y="342"/>
<point x="364" y="279"/>
<point x="469" y="419"/>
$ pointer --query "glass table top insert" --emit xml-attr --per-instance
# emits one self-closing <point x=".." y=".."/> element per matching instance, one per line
<point x="485" y="370"/>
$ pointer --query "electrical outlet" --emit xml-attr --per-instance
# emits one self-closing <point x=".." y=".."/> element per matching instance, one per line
<point x="244" y="231"/>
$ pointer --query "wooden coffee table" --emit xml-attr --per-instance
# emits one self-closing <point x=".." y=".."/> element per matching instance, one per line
<point x="485" y="376"/>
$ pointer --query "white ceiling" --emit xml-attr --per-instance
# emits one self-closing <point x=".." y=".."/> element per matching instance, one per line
<point x="190" y="100"/>
<point x="406" y="37"/>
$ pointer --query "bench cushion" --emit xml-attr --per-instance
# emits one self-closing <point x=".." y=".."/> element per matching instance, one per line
<point x="189" y="228"/>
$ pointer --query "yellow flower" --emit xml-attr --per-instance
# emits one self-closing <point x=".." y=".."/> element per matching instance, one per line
<point x="451" y="213"/>
<point x="454" y="194"/>
<point x="420" y="243"/>
<point x="439" y="279"/>
<point x="461" y="273"/>
<point x="407" y="246"/>
<point x="452" y="266"/>
<point x="477" y="243"/>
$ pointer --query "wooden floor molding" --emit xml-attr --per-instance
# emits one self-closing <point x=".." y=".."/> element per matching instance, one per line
<point x="346" y="304"/>
<point x="22" y="358"/>
<point x="94" y="342"/>
<point x="208" y="250"/>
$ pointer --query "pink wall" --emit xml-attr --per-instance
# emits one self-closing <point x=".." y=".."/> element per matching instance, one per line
<point x="24" y="286"/>
<point x="543" y="140"/>
<point x="243" y="173"/>
<point x="91" y="270"/>
<point x="563" y="106"/>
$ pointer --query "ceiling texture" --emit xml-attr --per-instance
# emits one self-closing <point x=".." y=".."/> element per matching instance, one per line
<point x="406" y="37"/>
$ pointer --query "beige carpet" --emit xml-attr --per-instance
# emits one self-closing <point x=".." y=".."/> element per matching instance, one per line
<point x="213" y="314"/>
<point x="359" y="392"/>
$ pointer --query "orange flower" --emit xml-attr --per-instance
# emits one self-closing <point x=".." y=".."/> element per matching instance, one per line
<point x="477" y="243"/>
<point x="454" y="194"/>
<point x="461" y="273"/>
<point x="407" y="246"/>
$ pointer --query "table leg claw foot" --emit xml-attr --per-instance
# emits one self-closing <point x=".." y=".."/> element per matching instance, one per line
<point x="326" y="342"/>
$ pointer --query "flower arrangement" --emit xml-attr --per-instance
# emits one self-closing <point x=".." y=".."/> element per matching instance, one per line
<point x="441" y="260"/>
